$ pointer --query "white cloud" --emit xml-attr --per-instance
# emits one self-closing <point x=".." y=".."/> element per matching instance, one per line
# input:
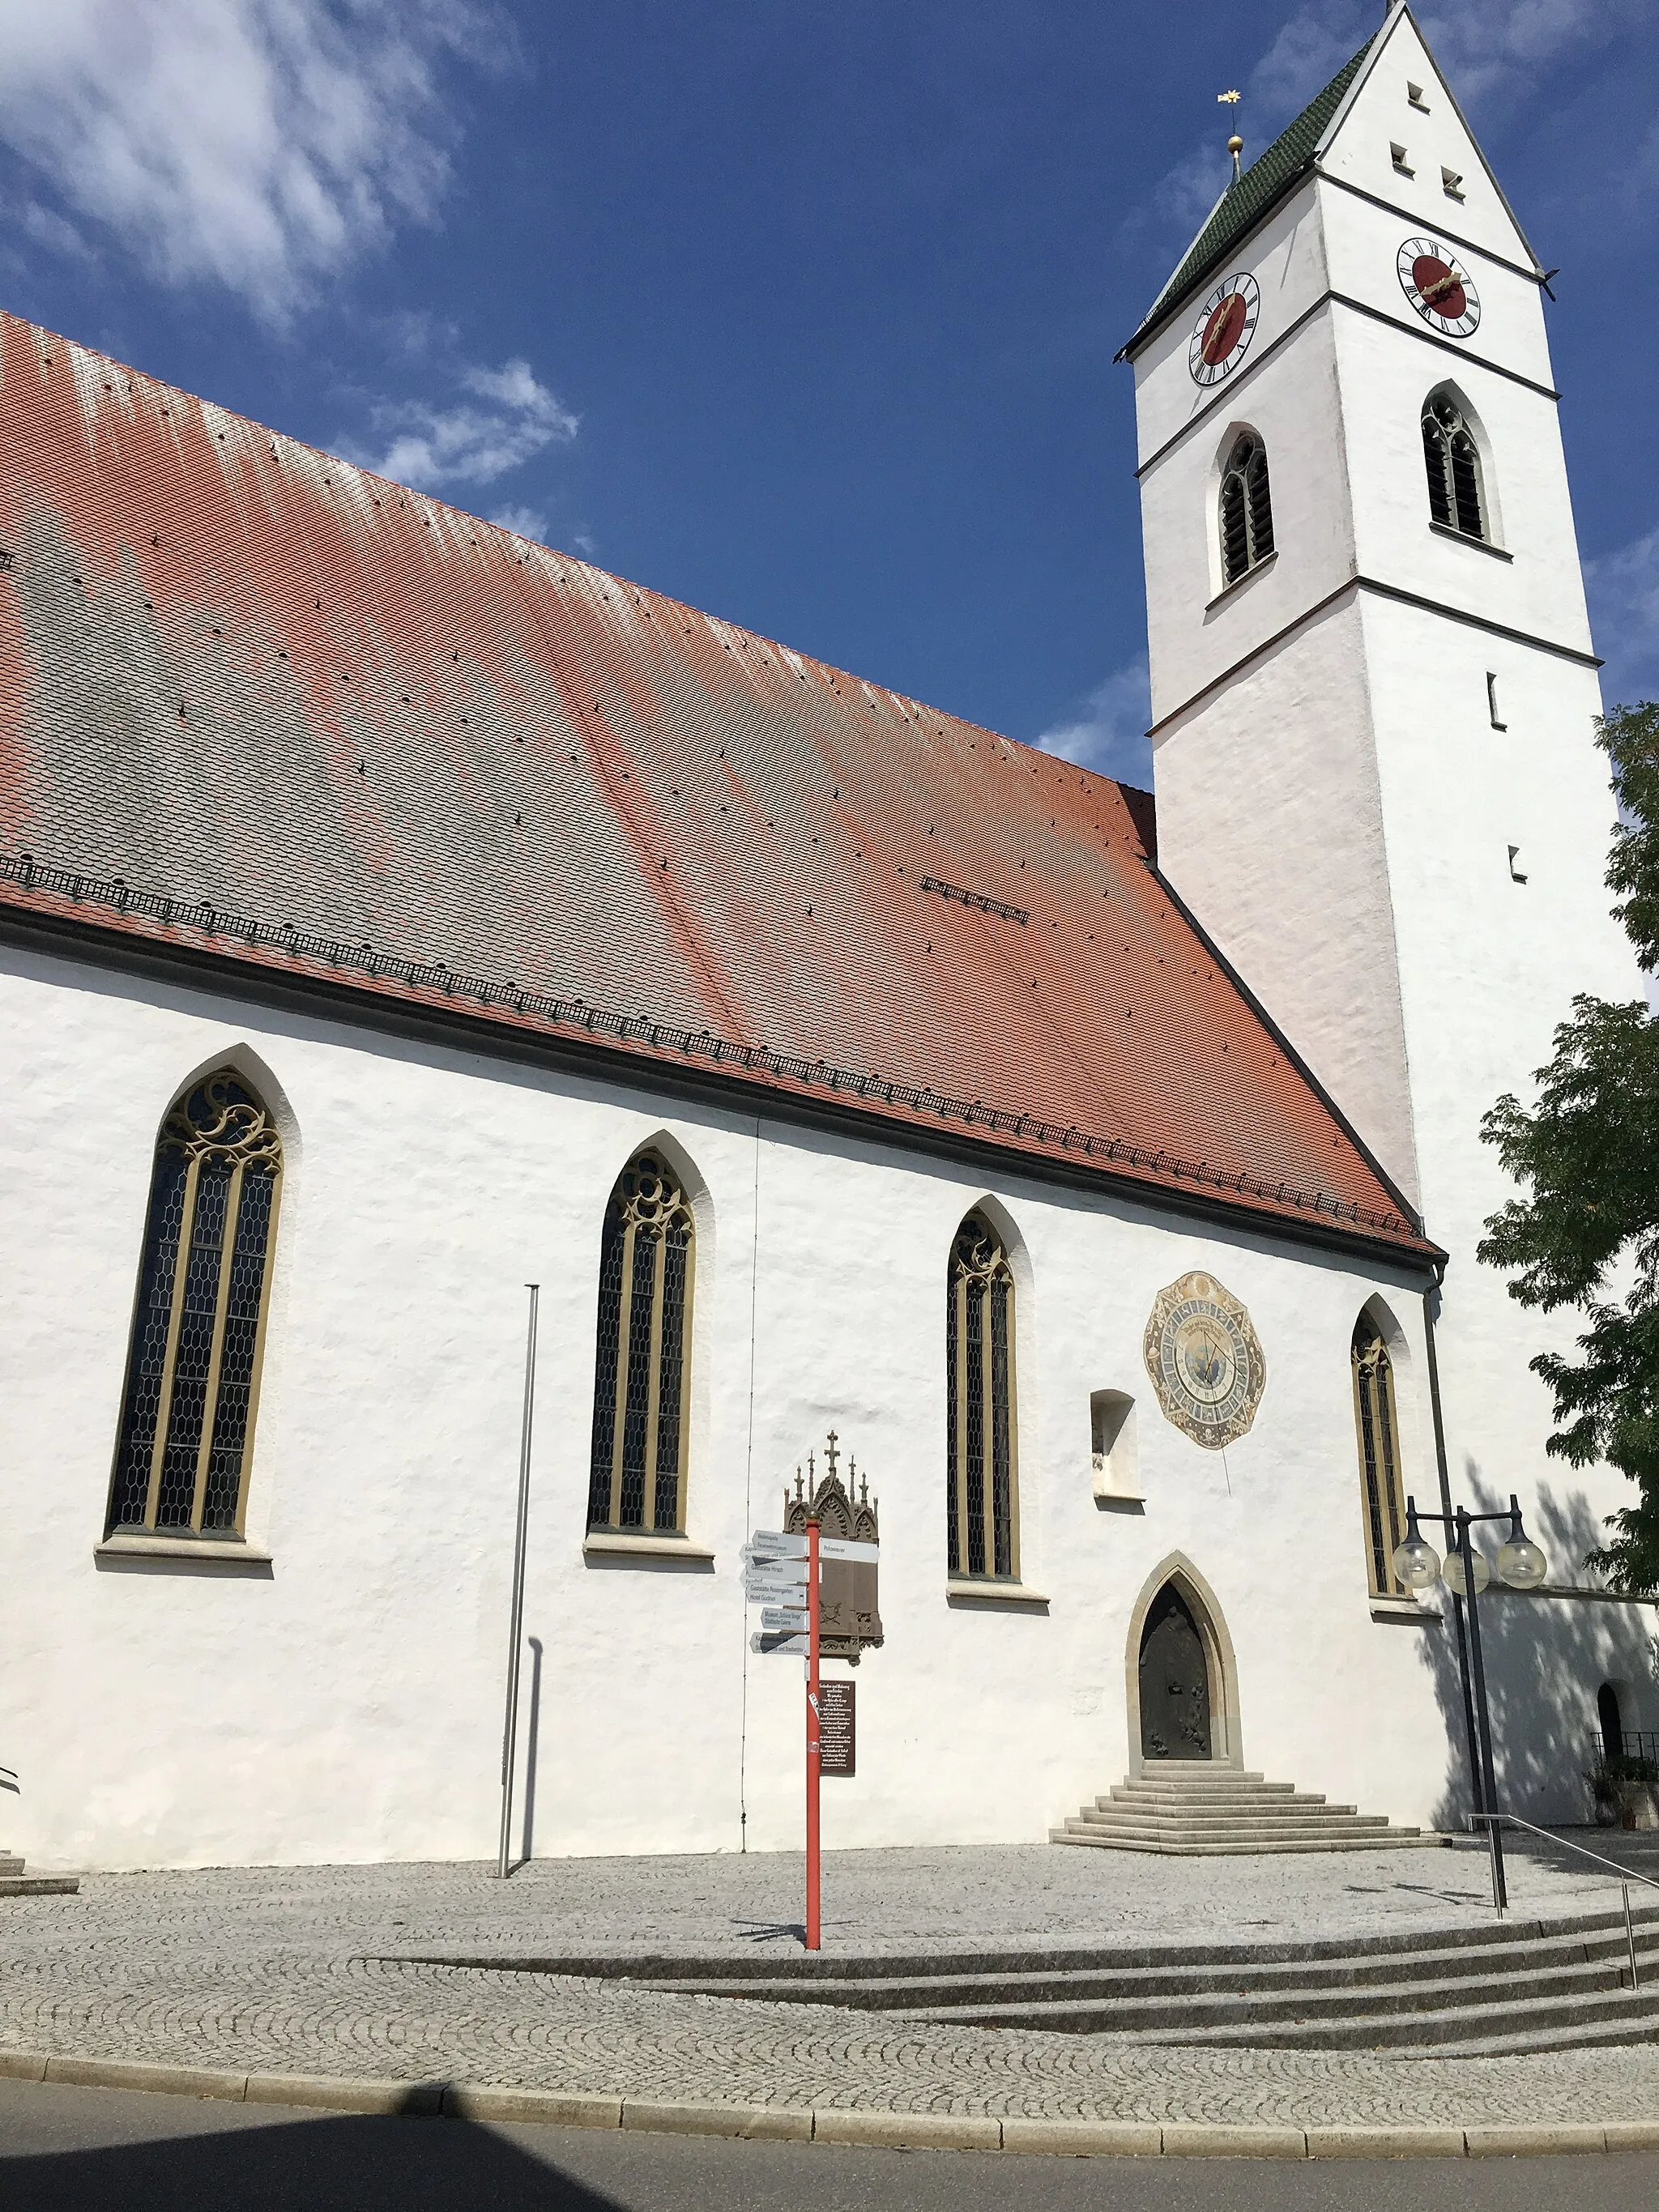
<point x="261" y="144"/>
<point x="507" y="420"/>
<point x="1623" y="588"/>
<point x="523" y="522"/>
<point x="1108" y="731"/>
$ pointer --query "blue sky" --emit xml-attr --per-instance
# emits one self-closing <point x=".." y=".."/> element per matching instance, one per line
<point x="804" y="313"/>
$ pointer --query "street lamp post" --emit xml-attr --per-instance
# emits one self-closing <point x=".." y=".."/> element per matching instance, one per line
<point x="1467" y="1573"/>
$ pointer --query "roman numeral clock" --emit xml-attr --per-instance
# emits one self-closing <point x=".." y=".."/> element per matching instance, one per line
<point x="1226" y="324"/>
<point x="1438" y="286"/>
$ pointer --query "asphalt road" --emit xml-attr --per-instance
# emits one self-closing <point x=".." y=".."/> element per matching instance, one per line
<point x="65" y="2150"/>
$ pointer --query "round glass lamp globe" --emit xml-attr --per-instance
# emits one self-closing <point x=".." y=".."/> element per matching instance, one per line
<point x="1453" y="1572"/>
<point x="1521" y="1564"/>
<point x="1417" y="1563"/>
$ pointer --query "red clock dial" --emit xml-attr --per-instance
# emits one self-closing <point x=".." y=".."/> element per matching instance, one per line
<point x="1224" y="330"/>
<point x="1440" y="289"/>
<point x="1438" y="286"/>
<point x="1226" y="324"/>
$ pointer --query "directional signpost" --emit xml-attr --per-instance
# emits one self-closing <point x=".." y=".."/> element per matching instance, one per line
<point x="780" y="1574"/>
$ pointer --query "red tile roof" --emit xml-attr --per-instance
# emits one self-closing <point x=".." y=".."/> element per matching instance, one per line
<point x="238" y="674"/>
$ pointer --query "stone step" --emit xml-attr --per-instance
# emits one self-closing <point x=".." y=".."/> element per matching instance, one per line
<point x="38" y="1885"/>
<point x="1139" y="1793"/>
<point x="1236" y="1991"/>
<point x="1541" y="2024"/>
<point x="1156" y="1819"/>
<point x="1386" y="1839"/>
<point x="1218" y="1831"/>
<point x="10" y="1863"/>
<point x="1258" y="2015"/>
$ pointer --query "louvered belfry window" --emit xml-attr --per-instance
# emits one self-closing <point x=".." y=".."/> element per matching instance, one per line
<point x="1247" y="509"/>
<point x="1377" y="1422"/>
<point x="981" y="1448"/>
<point x="1457" y="496"/>
<point x="203" y="1290"/>
<point x="642" y="1382"/>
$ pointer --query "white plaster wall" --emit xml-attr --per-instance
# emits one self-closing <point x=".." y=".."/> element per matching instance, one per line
<point x="1270" y="825"/>
<point x="1286" y="256"/>
<point x="346" y="1707"/>
<point x="1196" y="630"/>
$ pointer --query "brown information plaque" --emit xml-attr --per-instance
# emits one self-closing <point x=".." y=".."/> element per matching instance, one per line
<point x="838" y="1728"/>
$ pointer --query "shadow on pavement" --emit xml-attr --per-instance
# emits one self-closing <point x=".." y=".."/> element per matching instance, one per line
<point x="345" y="2165"/>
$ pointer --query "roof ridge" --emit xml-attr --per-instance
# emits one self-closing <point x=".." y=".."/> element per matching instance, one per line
<point x="1251" y="195"/>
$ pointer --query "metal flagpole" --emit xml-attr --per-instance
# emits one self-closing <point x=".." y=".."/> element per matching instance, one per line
<point x="814" y="1747"/>
<point x="515" y="1635"/>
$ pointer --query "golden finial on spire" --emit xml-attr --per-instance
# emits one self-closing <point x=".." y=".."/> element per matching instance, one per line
<point x="1235" y="145"/>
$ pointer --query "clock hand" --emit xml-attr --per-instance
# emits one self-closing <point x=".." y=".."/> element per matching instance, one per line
<point x="1451" y="282"/>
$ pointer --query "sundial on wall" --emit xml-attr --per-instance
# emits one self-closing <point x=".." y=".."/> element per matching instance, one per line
<point x="1205" y="1360"/>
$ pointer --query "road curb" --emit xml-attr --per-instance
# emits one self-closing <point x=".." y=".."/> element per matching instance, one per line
<point x="1033" y="2134"/>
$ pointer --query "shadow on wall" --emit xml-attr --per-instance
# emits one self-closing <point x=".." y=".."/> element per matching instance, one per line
<point x="1546" y="1659"/>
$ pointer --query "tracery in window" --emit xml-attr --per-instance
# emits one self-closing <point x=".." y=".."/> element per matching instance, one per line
<point x="1377" y="1421"/>
<point x="203" y="1290"/>
<point x="1456" y="495"/>
<point x="982" y="1448"/>
<point x="1247" y="509"/>
<point x="643" y="1382"/>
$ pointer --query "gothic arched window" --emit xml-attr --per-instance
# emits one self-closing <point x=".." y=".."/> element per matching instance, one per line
<point x="203" y="1290"/>
<point x="642" y="1379"/>
<point x="1456" y="495"/>
<point x="982" y="1449"/>
<point x="1377" y="1422"/>
<point x="1247" y="509"/>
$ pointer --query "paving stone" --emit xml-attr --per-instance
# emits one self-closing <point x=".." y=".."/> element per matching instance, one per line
<point x="295" y="1972"/>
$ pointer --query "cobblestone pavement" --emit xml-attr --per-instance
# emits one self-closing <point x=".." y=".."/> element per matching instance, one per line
<point x="291" y="1970"/>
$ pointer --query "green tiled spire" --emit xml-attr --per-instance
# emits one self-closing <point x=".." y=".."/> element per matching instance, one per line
<point x="1241" y="206"/>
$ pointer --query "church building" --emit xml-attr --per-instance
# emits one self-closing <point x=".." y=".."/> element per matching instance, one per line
<point x="395" y="913"/>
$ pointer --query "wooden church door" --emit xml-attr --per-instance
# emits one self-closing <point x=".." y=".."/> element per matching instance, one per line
<point x="1174" y="1682"/>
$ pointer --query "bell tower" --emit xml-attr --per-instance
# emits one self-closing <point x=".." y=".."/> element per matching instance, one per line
<point x="1373" y="683"/>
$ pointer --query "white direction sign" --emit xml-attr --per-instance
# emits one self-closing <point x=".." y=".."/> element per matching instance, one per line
<point x="791" y="1616"/>
<point x="774" y="1544"/>
<point x="792" y="1647"/>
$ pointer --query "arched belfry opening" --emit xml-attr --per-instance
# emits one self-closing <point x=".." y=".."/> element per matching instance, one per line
<point x="1180" y="1675"/>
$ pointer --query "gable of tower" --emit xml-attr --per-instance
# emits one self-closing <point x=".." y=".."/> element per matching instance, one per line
<point x="1396" y="101"/>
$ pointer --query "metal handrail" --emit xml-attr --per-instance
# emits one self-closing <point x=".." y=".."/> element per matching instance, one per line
<point x="1626" y="1874"/>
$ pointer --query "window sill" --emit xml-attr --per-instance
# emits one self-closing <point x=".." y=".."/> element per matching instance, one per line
<point x="1403" y="1608"/>
<point x="1462" y="538"/>
<point x="1248" y="577"/>
<point x="644" y="1544"/>
<point x="139" y="1543"/>
<point x="984" y="1589"/>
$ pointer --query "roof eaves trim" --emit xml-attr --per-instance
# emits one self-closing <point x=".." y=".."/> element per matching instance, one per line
<point x="199" y="926"/>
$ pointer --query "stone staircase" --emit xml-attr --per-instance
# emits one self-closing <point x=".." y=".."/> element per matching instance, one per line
<point x="13" y="1882"/>
<point x="1194" y="1809"/>
<point x="1484" y="1990"/>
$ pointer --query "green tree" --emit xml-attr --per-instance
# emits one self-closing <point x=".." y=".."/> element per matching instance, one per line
<point x="1587" y="1155"/>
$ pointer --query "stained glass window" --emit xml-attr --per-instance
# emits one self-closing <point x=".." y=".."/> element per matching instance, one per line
<point x="1377" y="1423"/>
<point x="641" y="1393"/>
<point x="204" y="1289"/>
<point x="982" y="1507"/>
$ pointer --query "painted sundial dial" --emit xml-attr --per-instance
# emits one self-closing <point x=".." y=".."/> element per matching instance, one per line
<point x="1226" y="324"/>
<point x="1205" y="1360"/>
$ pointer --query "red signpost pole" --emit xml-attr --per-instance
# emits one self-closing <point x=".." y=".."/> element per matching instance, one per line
<point x="814" y="1747"/>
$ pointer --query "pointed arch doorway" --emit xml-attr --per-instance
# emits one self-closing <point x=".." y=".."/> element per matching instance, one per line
<point x="1181" y="1677"/>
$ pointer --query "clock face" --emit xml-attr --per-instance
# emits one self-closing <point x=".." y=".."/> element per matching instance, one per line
<point x="1439" y="286"/>
<point x="1226" y="324"/>
<point x="1205" y="1360"/>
